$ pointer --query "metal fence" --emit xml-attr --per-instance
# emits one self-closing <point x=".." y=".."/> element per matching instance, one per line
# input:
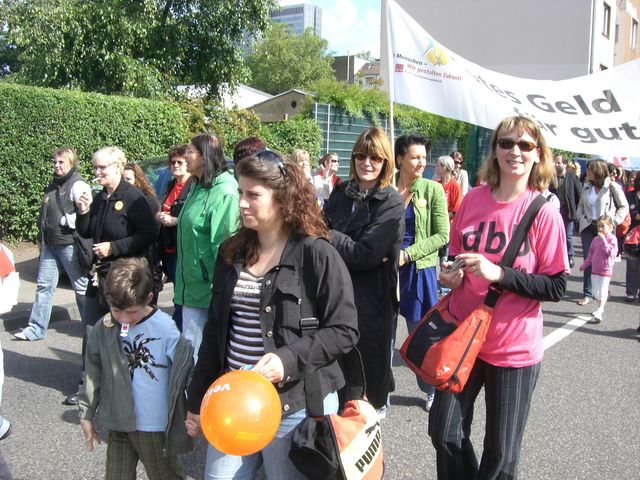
<point x="341" y="130"/>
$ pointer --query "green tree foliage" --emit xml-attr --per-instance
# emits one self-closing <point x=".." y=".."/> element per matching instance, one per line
<point x="374" y="104"/>
<point x="298" y="131"/>
<point x="36" y="121"/>
<point x="283" y="60"/>
<point x="141" y="48"/>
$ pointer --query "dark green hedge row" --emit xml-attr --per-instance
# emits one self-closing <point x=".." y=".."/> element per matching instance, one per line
<point x="36" y="121"/>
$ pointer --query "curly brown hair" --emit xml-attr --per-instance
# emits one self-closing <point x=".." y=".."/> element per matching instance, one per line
<point x="294" y="193"/>
<point x="140" y="179"/>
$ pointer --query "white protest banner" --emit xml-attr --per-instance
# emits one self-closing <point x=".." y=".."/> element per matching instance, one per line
<point x="596" y="114"/>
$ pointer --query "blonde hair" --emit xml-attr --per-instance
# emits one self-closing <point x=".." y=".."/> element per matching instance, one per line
<point x="374" y="142"/>
<point x="111" y="154"/>
<point x="541" y="172"/>
<point x="299" y="155"/>
<point x="67" y="154"/>
<point x="605" y="220"/>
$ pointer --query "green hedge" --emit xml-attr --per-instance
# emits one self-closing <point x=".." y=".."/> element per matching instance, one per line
<point x="36" y="121"/>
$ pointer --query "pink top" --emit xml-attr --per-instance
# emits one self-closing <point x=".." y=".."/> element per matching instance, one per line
<point x="485" y="226"/>
<point x="602" y="255"/>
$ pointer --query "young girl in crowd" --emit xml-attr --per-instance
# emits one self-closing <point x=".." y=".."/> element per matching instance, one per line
<point x="602" y="256"/>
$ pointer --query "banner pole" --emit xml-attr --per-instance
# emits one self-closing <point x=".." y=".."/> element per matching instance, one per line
<point x="390" y="80"/>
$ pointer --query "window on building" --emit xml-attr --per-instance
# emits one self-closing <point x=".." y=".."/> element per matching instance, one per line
<point x="617" y="32"/>
<point x="606" y="20"/>
<point x="634" y="34"/>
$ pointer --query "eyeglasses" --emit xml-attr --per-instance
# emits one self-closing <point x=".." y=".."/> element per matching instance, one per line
<point x="457" y="162"/>
<point x="523" y="145"/>
<point x="102" y="168"/>
<point x="335" y="160"/>
<point x="361" y="157"/>
<point x="177" y="162"/>
<point x="269" y="158"/>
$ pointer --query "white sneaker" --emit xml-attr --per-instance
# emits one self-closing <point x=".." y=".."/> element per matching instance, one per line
<point x="429" y="401"/>
<point x="5" y="428"/>
<point x="382" y="412"/>
<point x="597" y="316"/>
<point x="20" y="335"/>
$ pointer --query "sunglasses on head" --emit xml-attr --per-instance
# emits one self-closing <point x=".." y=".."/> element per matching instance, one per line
<point x="268" y="158"/>
<point x="523" y="145"/>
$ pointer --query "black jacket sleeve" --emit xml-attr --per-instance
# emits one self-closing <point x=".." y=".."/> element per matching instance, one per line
<point x="539" y="287"/>
<point x="378" y="238"/>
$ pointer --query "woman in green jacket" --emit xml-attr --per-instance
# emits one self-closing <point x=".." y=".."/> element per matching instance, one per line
<point x="426" y="230"/>
<point x="210" y="214"/>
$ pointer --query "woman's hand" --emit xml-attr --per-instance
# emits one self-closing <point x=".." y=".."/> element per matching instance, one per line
<point x="166" y="220"/>
<point x="270" y="366"/>
<point x="102" y="250"/>
<point x="84" y="202"/>
<point x="90" y="434"/>
<point x="478" y="265"/>
<point x="193" y="424"/>
<point x="451" y="279"/>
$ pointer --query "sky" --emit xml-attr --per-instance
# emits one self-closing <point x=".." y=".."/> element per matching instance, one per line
<point x="350" y="26"/>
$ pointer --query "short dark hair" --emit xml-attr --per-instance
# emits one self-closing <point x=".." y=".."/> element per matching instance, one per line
<point x="178" y="150"/>
<point x="247" y="147"/>
<point x="129" y="283"/>
<point x="405" y="141"/>
<point x="211" y="149"/>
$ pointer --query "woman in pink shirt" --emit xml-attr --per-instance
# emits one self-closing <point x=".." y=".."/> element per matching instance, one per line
<point x="517" y="169"/>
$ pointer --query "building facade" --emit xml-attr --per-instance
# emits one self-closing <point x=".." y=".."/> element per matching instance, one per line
<point x="626" y="33"/>
<point x="545" y="39"/>
<point x="300" y="17"/>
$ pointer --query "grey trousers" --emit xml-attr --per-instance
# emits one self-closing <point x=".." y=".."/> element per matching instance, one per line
<point x="508" y="393"/>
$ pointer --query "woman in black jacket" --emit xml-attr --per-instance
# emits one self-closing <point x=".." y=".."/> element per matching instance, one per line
<point x="367" y="220"/>
<point x="261" y="292"/>
<point x="120" y="222"/>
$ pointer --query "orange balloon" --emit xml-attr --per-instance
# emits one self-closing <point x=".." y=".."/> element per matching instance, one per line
<point x="240" y="413"/>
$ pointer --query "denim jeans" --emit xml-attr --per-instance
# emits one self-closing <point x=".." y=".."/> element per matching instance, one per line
<point x="169" y="268"/>
<point x="632" y="275"/>
<point x="568" y="228"/>
<point x="587" y="235"/>
<point x="54" y="258"/>
<point x="274" y="457"/>
<point x="193" y="320"/>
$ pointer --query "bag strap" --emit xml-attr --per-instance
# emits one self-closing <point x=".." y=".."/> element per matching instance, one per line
<point x="351" y="364"/>
<point x="516" y="241"/>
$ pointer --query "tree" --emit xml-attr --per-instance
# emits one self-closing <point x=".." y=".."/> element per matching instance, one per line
<point x="284" y="60"/>
<point x="142" y="47"/>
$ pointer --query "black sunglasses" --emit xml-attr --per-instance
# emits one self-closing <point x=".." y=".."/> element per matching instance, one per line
<point x="269" y="158"/>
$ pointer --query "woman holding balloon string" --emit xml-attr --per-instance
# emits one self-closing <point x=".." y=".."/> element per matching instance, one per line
<point x="255" y="314"/>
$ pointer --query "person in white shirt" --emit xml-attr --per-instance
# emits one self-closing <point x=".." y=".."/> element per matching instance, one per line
<point x="327" y="177"/>
<point x="57" y="223"/>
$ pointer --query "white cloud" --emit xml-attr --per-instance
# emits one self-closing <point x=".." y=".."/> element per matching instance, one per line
<point x="348" y="25"/>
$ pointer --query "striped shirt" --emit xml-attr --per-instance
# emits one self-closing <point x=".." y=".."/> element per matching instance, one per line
<point x="245" y="345"/>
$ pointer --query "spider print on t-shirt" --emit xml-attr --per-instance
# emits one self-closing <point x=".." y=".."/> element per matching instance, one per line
<point x="140" y="356"/>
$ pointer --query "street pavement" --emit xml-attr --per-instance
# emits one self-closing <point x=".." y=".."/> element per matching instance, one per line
<point x="584" y="419"/>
